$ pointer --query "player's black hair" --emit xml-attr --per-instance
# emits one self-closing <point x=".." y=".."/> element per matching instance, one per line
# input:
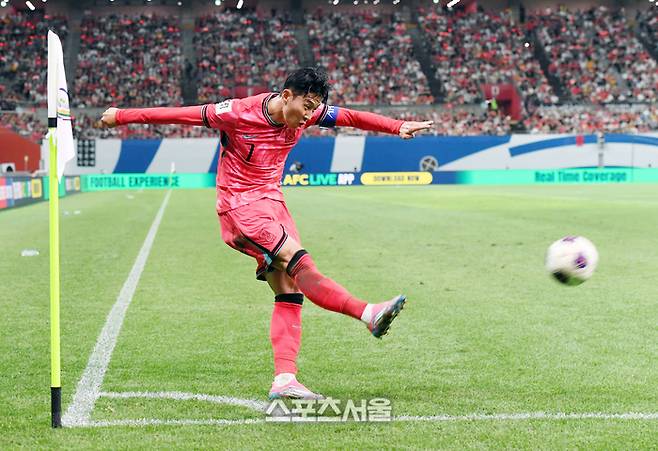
<point x="307" y="80"/>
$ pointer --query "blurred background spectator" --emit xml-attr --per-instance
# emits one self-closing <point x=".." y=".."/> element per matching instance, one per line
<point x="243" y="48"/>
<point x="129" y="61"/>
<point x="597" y="57"/>
<point x="484" y="47"/>
<point x="23" y="56"/>
<point x="369" y="58"/>
<point x="608" y="74"/>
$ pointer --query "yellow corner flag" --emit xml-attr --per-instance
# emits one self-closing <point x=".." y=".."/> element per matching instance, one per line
<point x="60" y="137"/>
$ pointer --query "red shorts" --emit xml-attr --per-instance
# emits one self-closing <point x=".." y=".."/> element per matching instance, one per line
<point x="259" y="230"/>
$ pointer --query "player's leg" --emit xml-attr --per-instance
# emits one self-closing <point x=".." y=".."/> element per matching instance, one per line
<point x="328" y="294"/>
<point x="265" y="230"/>
<point x="285" y="328"/>
<point x="286" y="337"/>
<point x="286" y="325"/>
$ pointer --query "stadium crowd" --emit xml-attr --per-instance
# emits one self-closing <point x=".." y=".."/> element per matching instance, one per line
<point x="484" y="47"/>
<point x="648" y="22"/>
<point x="27" y="124"/>
<point x="454" y="121"/>
<point x="32" y="125"/>
<point x="451" y="121"/>
<point x="84" y="128"/>
<point x="23" y="57"/>
<point x="457" y="122"/>
<point x="240" y="49"/>
<point x="590" y="119"/>
<point x="128" y="60"/>
<point x="596" y="56"/>
<point x="369" y="58"/>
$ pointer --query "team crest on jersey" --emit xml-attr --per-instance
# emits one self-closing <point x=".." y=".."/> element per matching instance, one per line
<point x="223" y="107"/>
<point x="266" y="237"/>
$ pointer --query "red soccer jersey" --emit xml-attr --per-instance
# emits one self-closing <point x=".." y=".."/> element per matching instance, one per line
<point x="254" y="150"/>
<point x="254" y="146"/>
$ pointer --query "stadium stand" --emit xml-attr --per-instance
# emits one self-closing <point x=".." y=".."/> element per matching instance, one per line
<point x="597" y="57"/>
<point x="627" y="118"/>
<point x="140" y="57"/>
<point x="84" y="128"/>
<point x="369" y="58"/>
<point x="23" y="59"/>
<point x="456" y="122"/>
<point x="243" y="52"/>
<point x="590" y="119"/>
<point x="611" y="79"/>
<point x="470" y="50"/>
<point x="27" y="124"/>
<point x="648" y="28"/>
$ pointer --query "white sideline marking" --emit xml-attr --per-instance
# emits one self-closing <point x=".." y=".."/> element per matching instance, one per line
<point x="523" y="416"/>
<point x="251" y="404"/>
<point x="534" y="416"/>
<point x="79" y="412"/>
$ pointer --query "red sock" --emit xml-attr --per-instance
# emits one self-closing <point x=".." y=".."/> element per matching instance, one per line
<point x="323" y="291"/>
<point x="286" y="332"/>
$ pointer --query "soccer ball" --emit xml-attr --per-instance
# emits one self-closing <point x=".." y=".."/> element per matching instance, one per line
<point x="572" y="260"/>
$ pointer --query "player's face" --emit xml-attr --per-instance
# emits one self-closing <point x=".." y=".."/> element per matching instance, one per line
<point x="298" y="109"/>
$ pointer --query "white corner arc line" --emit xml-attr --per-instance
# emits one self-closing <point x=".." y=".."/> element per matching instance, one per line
<point x="258" y="406"/>
<point x="156" y="422"/>
<point x="88" y="389"/>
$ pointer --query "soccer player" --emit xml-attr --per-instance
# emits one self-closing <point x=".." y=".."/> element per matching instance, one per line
<point x="257" y="133"/>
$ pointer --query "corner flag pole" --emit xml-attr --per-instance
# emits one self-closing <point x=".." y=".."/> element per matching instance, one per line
<point x="60" y="136"/>
<point x="54" y="54"/>
<point x="55" y="369"/>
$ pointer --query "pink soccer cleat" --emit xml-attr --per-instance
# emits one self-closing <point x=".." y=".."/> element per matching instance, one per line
<point x="383" y="315"/>
<point x="292" y="390"/>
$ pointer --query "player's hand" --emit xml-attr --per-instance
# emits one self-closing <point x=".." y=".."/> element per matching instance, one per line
<point x="409" y="129"/>
<point x="108" y="119"/>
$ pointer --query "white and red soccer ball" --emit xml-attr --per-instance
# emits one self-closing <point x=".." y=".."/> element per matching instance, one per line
<point x="572" y="260"/>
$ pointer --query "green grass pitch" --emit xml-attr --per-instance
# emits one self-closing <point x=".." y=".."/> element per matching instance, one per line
<point x="485" y="332"/>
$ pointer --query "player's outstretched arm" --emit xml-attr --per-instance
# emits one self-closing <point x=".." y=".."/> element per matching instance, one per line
<point x="378" y="123"/>
<point x="188" y="115"/>
<point x="108" y="118"/>
<point x="408" y="129"/>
